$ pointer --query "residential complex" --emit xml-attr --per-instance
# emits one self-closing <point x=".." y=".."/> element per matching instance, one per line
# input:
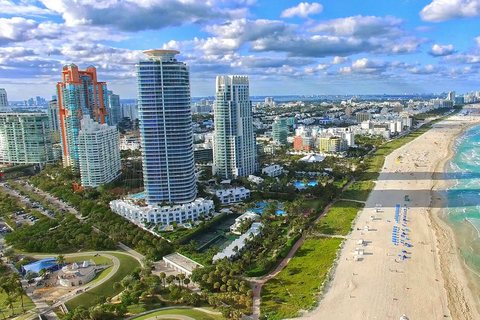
<point x="79" y="94"/>
<point x="3" y="98"/>
<point x="25" y="138"/>
<point x="234" y="151"/>
<point x="99" y="153"/>
<point x="280" y="130"/>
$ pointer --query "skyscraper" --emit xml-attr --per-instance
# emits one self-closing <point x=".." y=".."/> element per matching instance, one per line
<point x="54" y="120"/>
<point x="25" y="138"/>
<point x="79" y="94"/>
<point x="234" y="150"/>
<point x="3" y="98"/>
<point x="280" y="130"/>
<point x="166" y="128"/>
<point x="99" y="153"/>
<point x="114" y="109"/>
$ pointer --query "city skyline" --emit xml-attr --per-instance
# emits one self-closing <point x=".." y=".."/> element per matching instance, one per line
<point x="284" y="47"/>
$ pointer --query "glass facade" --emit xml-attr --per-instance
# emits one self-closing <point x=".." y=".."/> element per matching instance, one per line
<point x="166" y="128"/>
<point x="234" y="152"/>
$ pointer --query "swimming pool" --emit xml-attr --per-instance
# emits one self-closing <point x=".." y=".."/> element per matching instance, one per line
<point x="301" y="185"/>
<point x="137" y="195"/>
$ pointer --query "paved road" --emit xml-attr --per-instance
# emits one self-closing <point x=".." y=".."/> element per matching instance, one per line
<point x="14" y="193"/>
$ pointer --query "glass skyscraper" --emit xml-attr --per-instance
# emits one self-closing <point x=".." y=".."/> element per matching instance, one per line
<point x="234" y="147"/>
<point x="166" y="128"/>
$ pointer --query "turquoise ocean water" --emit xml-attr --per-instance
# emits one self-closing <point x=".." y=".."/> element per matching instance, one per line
<point x="463" y="198"/>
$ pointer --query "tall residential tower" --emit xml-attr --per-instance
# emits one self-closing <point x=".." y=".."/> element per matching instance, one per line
<point x="234" y="149"/>
<point x="3" y="98"/>
<point x="166" y="128"/>
<point x="167" y="145"/>
<point x="79" y="94"/>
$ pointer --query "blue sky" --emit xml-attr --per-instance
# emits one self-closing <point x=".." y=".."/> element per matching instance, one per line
<point x="286" y="47"/>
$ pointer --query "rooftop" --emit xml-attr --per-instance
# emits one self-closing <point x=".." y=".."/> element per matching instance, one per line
<point x="181" y="260"/>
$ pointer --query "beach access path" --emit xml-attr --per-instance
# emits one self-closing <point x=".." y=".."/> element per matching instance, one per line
<point x="381" y="285"/>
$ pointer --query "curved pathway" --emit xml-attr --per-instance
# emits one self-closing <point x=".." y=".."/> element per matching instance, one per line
<point x="169" y="316"/>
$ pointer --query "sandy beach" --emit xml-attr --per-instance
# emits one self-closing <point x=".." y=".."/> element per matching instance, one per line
<point x="411" y="266"/>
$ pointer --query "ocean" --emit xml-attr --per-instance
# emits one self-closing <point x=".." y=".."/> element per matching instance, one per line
<point x="463" y="197"/>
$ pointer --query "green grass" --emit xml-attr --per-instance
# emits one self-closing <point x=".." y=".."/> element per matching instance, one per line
<point x="195" y="314"/>
<point x="97" y="260"/>
<point x="146" y="304"/>
<point x="338" y="220"/>
<point x="87" y="299"/>
<point x="297" y="286"/>
<point x="17" y="306"/>
<point x="359" y="190"/>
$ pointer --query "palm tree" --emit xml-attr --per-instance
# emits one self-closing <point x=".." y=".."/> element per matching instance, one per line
<point x="60" y="259"/>
<point x="162" y="276"/>
<point x="42" y="272"/>
<point x="9" y="301"/>
<point x="20" y="292"/>
<point x="180" y="277"/>
<point x="186" y="282"/>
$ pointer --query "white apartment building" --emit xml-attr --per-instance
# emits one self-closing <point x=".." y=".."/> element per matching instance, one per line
<point x="99" y="153"/>
<point x="232" y="195"/>
<point x="25" y="138"/>
<point x="166" y="215"/>
<point x="234" y="149"/>
<point x="273" y="170"/>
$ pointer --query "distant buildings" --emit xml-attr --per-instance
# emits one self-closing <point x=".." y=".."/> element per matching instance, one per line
<point x="114" y="108"/>
<point x="234" y="151"/>
<point x="3" y="98"/>
<point x="99" y="153"/>
<point x="79" y="94"/>
<point x="363" y="116"/>
<point x="451" y="96"/>
<point x="280" y="131"/>
<point x="25" y="138"/>
<point x="273" y="170"/>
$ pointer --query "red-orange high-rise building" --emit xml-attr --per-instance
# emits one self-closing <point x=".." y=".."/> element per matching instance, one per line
<point x="79" y="93"/>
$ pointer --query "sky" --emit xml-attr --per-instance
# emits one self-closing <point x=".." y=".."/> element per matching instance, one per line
<point x="284" y="46"/>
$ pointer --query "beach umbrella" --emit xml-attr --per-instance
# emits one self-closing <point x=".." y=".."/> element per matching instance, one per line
<point x="404" y="317"/>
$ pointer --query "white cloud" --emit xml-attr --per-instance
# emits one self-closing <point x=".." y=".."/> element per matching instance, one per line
<point x="428" y="69"/>
<point x="319" y="67"/>
<point x="9" y="7"/>
<point x="361" y="26"/>
<point x="135" y="15"/>
<point x="303" y="9"/>
<point x="439" y="50"/>
<point x="477" y="39"/>
<point x="340" y="60"/>
<point x="463" y="58"/>
<point x="443" y="10"/>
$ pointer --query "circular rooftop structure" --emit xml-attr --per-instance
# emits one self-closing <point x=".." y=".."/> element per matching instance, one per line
<point x="159" y="54"/>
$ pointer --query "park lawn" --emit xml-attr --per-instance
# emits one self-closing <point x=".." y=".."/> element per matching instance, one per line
<point x="146" y="304"/>
<point x="359" y="190"/>
<point x="195" y="314"/>
<point x="338" y="220"/>
<point x="297" y="286"/>
<point x="97" y="260"/>
<point x="88" y="298"/>
<point x="17" y="306"/>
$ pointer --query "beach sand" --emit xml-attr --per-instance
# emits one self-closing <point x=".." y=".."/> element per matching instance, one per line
<point x="431" y="283"/>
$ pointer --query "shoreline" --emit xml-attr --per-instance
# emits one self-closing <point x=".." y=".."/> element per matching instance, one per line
<point x="431" y="281"/>
<point x="460" y="283"/>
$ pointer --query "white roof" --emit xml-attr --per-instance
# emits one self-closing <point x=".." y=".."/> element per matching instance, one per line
<point x="312" y="158"/>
